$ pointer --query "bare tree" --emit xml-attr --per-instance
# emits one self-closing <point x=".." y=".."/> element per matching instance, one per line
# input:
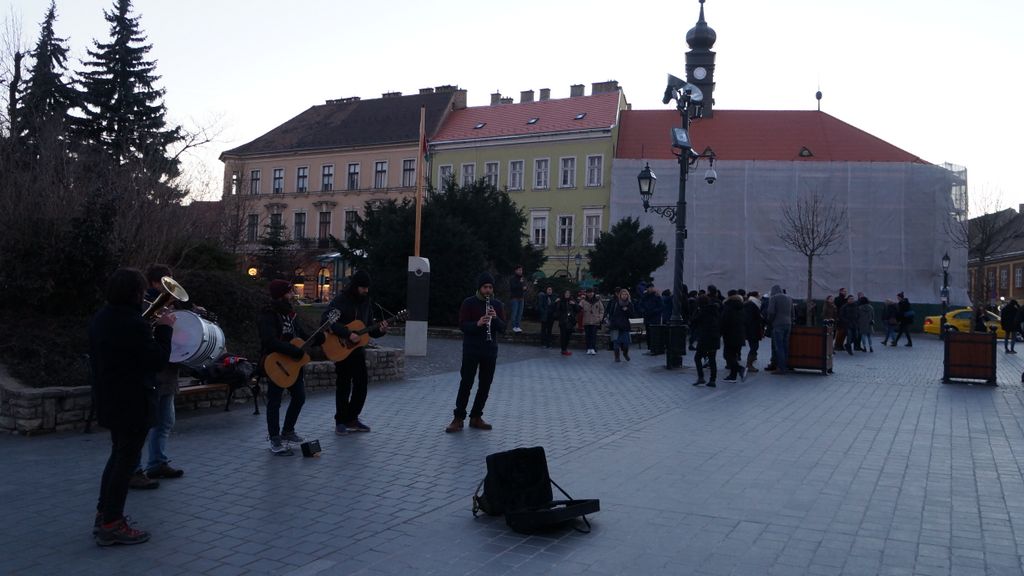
<point x="986" y="235"/>
<point x="812" y="227"/>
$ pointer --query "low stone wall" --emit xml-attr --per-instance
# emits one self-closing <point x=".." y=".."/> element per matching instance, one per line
<point x="25" y="410"/>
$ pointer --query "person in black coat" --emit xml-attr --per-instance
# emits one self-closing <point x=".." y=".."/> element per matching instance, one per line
<point x="650" y="307"/>
<point x="904" y="317"/>
<point x="351" y="376"/>
<point x="620" y="310"/>
<point x="734" y="333"/>
<point x="277" y="327"/>
<point x="566" y="309"/>
<point x="125" y="354"/>
<point x="706" y="324"/>
<point x="481" y="318"/>
<point x="753" y="324"/>
<point x="1008" y="321"/>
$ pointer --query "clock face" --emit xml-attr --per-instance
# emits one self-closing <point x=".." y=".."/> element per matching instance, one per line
<point x="699" y="73"/>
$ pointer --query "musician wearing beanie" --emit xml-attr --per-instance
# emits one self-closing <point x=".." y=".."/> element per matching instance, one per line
<point x="350" y="373"/>
<point x="481" y="318"/>
<point x="278" y="325"/>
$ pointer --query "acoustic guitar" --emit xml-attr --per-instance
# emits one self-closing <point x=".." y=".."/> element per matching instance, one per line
<point x="282" y="369"/>
<point x="337" y="348"/>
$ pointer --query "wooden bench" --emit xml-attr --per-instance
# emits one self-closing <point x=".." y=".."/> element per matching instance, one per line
<point x="187" y="390"/>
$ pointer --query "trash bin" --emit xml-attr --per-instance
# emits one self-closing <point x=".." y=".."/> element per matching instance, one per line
<point x="675" y="345"/>
<point x="657" y="337"/>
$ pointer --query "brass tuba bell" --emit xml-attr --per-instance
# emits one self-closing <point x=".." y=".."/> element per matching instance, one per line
<point x="172" y="292"/>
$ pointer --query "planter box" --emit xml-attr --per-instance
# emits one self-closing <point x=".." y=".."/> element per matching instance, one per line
<point x="969" y="356"/>
<point x="810" y="348"/>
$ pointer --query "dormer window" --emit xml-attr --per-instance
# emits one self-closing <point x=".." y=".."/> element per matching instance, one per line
<point x="479" y="125"/>
<point x="581" y="116"/>
<point x="532" y="120"/>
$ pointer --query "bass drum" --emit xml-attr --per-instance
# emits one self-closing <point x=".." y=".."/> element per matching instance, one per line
<point x="196" y="341"/>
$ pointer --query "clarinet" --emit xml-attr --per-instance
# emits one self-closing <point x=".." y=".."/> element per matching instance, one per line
<point x="487" y="311"/>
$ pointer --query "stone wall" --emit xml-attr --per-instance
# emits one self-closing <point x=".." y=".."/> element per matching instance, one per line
<point x="25" y="410"/>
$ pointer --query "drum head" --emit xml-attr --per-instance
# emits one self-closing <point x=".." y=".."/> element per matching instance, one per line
<point x="187" y="337"/>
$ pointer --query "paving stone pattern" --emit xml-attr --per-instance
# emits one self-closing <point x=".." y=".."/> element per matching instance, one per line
<point x="876" y="469"/>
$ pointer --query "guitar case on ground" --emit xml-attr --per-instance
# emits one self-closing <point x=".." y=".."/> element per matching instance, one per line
<point x="518" y="485"/>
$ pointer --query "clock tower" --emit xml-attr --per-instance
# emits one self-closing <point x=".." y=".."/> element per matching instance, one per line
<point x="700" y="61"/>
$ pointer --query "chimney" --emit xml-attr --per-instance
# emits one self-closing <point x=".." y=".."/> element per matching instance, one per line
<point x="426" y="90"/>
<point x="495" y="98"/>
<point x="459" y="100"/>
<point x="446" y="88"/>
<point x="526" y="96"/>
<point x="507" y="100"/>
<point x="575" y="90"/>
<point x="545" y="93"/>
<point x="391" y="95"/>
<point x="602" y="87"/>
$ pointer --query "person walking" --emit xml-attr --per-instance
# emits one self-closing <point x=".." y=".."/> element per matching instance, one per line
<point x="593" y="313"/>
<point x="650" y="308"/>
<point x="753" y="324"/>
<point x="125" y="353"/>
<point x="904" y="318"/>
<point x="889" y="320"/>
<point x="350" y="375"/>
<point x="734" y="334"/>
<point x="706" y="321"/>
<point x="849" y="315"/>
<point x="516" y="295"/>
<point x="780" y="316"/>
<point x="546" y="310"/>
<point x="620" y="310"/>
<point x="566" y="309"/>
<point x="1008" y="321"/>
<point x="865" y="323"/>
<point x="481" y="319"/>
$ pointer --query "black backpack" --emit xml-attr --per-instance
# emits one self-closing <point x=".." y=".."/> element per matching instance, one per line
<point x="518" y="485"/>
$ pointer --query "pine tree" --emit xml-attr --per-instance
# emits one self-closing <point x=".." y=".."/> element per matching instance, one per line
<point x="43" y="115"/>
<point x="124" y="113"/>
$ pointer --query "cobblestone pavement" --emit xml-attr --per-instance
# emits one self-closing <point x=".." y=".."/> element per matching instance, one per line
<point x="876" y="469"/>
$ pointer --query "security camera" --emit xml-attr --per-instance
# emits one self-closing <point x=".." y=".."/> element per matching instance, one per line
<point x="710" y="176"/>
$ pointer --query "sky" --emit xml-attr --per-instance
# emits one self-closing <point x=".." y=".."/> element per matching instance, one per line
<point x="938" y="78"/>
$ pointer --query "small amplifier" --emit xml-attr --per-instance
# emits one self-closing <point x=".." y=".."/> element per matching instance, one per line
<point x="311" y="448"/>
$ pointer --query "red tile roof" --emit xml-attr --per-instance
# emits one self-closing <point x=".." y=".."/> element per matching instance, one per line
<point x="757" y="135"/>
<point x="552" y="116"/>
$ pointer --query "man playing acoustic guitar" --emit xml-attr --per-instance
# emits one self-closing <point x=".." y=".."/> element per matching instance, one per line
<point x="353" y="304"/>
<point x="277" y="325"/>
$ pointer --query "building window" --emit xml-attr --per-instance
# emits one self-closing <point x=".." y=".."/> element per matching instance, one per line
<point x="380" y="175"/>
<point x="539" y="228"/>
<point x="351" y="224"/>
<point x="541" y="173"/>
<point x="515" y="175"/>
<point x="444" y="174"/>
<point x="235" y="177"/>
<point x="1004" y="278"/>
<point x="491" y="173"/>
<point x="299" y="229"/>
<point x="567" y="178"/>
<point x="252" y="228"/>
<point x="327" y="178"/>
<point x="591" y="227"/>
<point x="1018" y="277"/>
<point x="276" y="221"/>
<point x="565" y="232"/>
<point x="595" y="170"/>
<point x="353" y="176"/>
<point x="408" y="173"/>
<point x="278" y="180"/>
<point x="254" y="182"/>
<point x="468" y="174"/>
<point x="324" y="230"/>
<point x="302" y="179"/>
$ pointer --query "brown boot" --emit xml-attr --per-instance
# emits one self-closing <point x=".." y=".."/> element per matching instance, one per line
<point x="455" y="426"/>
<point x="478" y="423"/>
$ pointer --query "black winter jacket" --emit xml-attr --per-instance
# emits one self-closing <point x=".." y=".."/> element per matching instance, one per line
<point x="474" y="338"/>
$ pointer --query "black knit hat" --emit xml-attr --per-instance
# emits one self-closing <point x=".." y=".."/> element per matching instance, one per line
<point x="484" y="278"/>
<point x="361" y="279"/>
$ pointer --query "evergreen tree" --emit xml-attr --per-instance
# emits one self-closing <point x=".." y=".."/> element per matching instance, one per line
<point x="124" y="112"/>
<point x="626" y="255"/>
<point x="275" y="257"/>
<point x="42" y="115"/>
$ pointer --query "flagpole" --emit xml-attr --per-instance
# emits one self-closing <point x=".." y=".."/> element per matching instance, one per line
<point x="420" y="165"/>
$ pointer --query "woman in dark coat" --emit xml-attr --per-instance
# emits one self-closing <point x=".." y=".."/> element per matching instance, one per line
<point x="734" y="333"/>
<point x="566" y="309"/>
<point x="706" y="323"/>
<point x="620" y="310"/>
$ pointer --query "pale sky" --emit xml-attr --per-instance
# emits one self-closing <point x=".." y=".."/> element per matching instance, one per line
<point x="938" y="78"/>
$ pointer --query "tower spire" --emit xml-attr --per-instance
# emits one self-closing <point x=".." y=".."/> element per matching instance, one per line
<point x="700" y="60"/>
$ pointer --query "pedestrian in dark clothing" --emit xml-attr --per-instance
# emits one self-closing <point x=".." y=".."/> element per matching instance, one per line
<point x="691" y="311"/>
<point x="707" y="323"/>
<point x="620" y="310"/>
<point x="1008" y="321"/>
<point x="566" y="309"/>
<point x="890" y="319"/>
<point x="650" y="307"/>
<point x="865" y="323"/>
<point x="753" y="324"/>
<point x="546" y="309"/>
<point x="666" y="306"/>
<point x="840" y="301"/>
<point x="481" y="318"/>
<point x="125" y="354"/>
<point x="780" y="316"/>
<point x="904" y="318"/>
<point x="734" y="334"/>
<point x="848" y="313"/>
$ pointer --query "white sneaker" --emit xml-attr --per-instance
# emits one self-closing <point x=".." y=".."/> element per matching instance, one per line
<point x="517" y="330"/>
<point x="591" y="352"/>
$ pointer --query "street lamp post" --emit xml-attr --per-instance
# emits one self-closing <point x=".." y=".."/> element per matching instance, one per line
<point x="579" y="260"/>
<point x="945" y="294"/>
<point x="689" y="103"/>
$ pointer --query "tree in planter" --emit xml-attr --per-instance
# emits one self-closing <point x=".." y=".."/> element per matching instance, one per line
<point x="813" y="228"/>
<point x="626" y="254"/>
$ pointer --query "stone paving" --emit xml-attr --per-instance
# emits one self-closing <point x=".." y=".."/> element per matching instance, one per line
<point x="876" y="469"/>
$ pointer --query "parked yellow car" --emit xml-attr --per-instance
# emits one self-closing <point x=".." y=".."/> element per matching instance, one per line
<point x="960" y="320"/>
